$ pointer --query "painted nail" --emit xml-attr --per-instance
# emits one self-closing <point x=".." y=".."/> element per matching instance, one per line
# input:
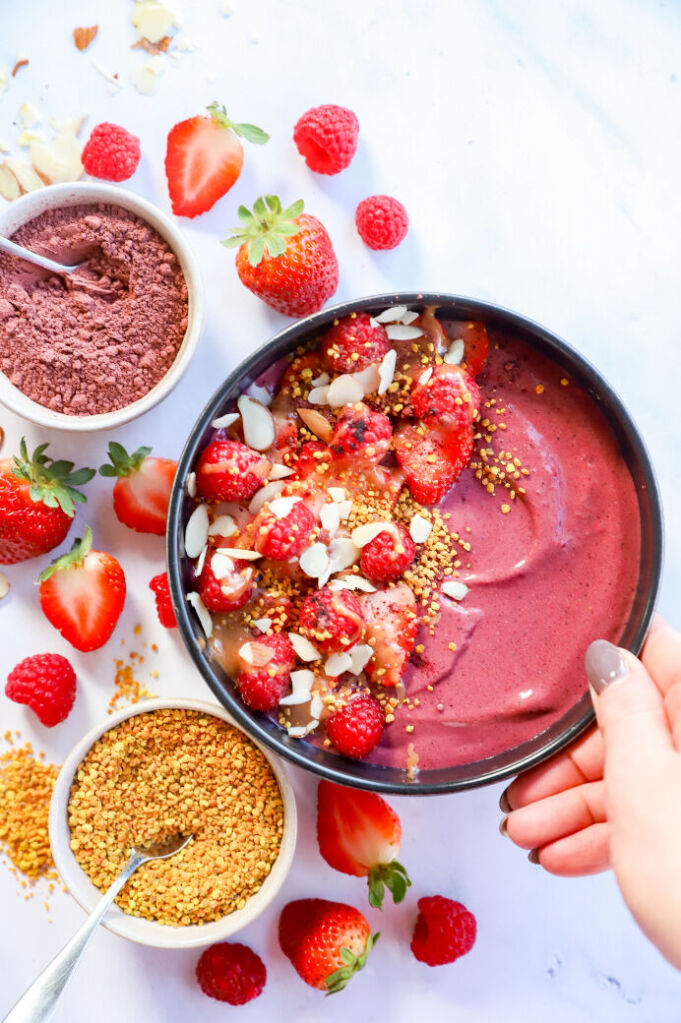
<point x="504" y="804"/>
<point x="533" y="856"/>
<point x="503" y="827"/>
<point x="604" y="665"/>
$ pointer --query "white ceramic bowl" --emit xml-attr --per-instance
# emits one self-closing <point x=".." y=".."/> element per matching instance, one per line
<point x="148" y="932"/>
<point x="30" y="206"/>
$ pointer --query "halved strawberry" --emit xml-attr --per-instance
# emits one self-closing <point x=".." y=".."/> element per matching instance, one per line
<point x="204" y="158"/>
<point x="82" y="594"/>
<point x="142" y="490"/>
<point x="475" y="343"/>
<point x="359" y="834"/>
<point x="432" y="459"/>
<point x="390" y="628"/>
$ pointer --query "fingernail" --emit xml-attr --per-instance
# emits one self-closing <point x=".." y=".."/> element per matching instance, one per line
<point x="504" y="804"/>
<point x="533" y="856"/>
<point x="604" y="664"/>
<point x="503" y="827"/>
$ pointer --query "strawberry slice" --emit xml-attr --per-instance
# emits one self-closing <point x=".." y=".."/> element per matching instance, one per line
<point x="475" y="343"/>
<point x="82" y="594"/>
<point x="142" y="489"/>
<point x="359" y="834"/>
<point x="390" y="628"/>
<point x="432" y="459"/>
<point x="204" y="158"/>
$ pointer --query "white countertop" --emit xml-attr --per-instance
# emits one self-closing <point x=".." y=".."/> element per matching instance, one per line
<point x="537" y="149"/>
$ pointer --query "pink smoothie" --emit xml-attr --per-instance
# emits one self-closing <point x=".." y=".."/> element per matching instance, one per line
<point x="546" y="577"/>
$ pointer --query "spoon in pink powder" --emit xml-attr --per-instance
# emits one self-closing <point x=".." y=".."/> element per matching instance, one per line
<point x="66" y="270"/>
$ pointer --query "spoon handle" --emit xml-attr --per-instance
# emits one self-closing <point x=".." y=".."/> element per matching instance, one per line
<point x="38" y="1002"/>
<point x="33" y="257"/>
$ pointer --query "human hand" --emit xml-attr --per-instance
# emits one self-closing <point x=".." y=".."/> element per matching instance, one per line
<point x="614" y="797"/>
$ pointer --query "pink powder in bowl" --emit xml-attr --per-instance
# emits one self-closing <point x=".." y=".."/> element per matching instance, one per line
<point x="96" y="345"/>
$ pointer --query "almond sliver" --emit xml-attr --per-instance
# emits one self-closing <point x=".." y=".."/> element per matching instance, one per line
<point x="257" y="422"/>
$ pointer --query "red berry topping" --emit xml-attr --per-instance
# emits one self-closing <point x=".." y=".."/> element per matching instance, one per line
<point x="326" y="137"/>
<point x="111" y="152"/>
<point x="382" y="222"/>
<point x="331" y="619"/>
<point x="46" y="683"/>
<point x="230" y="588"/>
<point x="263" y="684"/>
<point x="231" y="972"/>
<point x="230" y="471"/>
<point x="388" y="555"/>
<point x="164" y="605"/>
<point x="357" y="727"/>
<point x="444" y="931"/>
<point x="432" y="461"/>
<point x="327" y="942"/>
<point x="313" y="457"/>
<point x="361" y="433"/>
<point x="282" y="536"/>
<point x="354" y="343"/>
<point x="450" y="396"/>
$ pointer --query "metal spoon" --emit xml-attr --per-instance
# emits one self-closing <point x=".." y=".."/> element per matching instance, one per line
<point x="34" y="257"/>
<point x="38" y="1002"/>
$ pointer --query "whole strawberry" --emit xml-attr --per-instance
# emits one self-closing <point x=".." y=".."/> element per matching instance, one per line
<point x="444" y="931"/>
<point x="142" y="489"/>
<point x="285" y="257"/>
<point x="359" y="834"/>
<point x="231" y="972"/>
<point x="82" y="594"/>
<point x="37" y="503"/>
<point x="46" y="683"/>
<point x="327" y="942"/>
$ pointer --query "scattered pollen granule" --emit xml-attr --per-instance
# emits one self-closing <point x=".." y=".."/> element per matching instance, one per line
<point x="129" y="690"/>
<point x="169" y="771"/>
<point x="26" y="785"/>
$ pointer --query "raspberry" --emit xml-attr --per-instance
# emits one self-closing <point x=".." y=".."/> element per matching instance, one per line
<point x="326" y="137"/>
<point x="232" y="589"/>
<point x="262" y="687"/>
<point x="361" y="432"/>
<point x="111" y="152"/>
<point x="357" y="727"/>
<point x="164" y="606"/>
<point x="46" y="683"/>
<point x="388" y="555"/>
<point x="331" y="619"/>
<point x="353" y="344"/>
<point x="285" y="537"/>
<point x="382" y="222"/>
<point x="230" y="471"/>
<point x="231" y="972"/>
<point x="313" y="457"/>
<point x="444" y="931"/>
<point x="450" y="396"/>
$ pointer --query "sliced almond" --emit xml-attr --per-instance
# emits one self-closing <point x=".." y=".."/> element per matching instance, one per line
<point x="314" y="561"/>
<point x="304" y="649"/>
<point x="391" y="315"/>
<point x="82" y="37"/>
<point x="362" y="535"/>
<point x="321" y="380"/>
<point x="256" y="654"/>
<point x="319" y="395"/>
<point x="345" y="390"/>
<point x="223" y="525"/>
<point x="360" y="655"/>
<point x="4" y="585"/>
<point x="302" y="680"/>
<point x="420" y="528"/>
<point x="260" y="394"/>
<point x="280" y="472"/>
<point x="191" y="484"/>
<point x="265" y="494"/>
<point x="196" y="531"/>
<point x="59" y="161"/>
<point x="386" y="370"/>
<point x="221" y="565"/>
<point x="425" y="376"/>
<point x="409" y="316"/>
<point x="238" y="554"/>
<point x="9" y="186"/>
<point x="223" y="422"/>
<point x="337" y="493"/>
<point x="258" y="423"/>
<point x="368" y="378"/>
<point x="454" y="353"/>
<point x="455" y="589"/>
<point x="330" y="517"/>
<point x="316" y="422"/>
<point x="282" y="506"/>
<point x="352" y="582"/>
<point x="294" y="699"/>
<point x="202" y="613"/>
<point x="28" y="180"/>
<point x="201" y="560"/>
<point x="263" y="624"/>
<point x="316" y="707"/>
<point x="343" y="553"/>
<point x="336" y="664"/>
<point x="403" y="332"/>
<point x="300" y="731"/>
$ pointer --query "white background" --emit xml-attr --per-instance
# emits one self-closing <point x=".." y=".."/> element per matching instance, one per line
<point x="536" y="147"/>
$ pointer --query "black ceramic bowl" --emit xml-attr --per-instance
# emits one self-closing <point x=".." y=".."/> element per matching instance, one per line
<point x="366" y="775"/>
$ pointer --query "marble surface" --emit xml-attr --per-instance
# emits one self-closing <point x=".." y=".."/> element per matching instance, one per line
<point x="536" y="147"/>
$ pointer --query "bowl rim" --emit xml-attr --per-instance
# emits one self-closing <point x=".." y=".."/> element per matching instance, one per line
<point x="296" y="333"/>
<point x="139" y="929"/>
<point x="31" y="205"/>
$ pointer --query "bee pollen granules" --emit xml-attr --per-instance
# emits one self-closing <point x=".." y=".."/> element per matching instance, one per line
<point x="169" y="771"/>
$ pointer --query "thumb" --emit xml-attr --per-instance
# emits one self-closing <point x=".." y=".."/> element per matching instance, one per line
<point x="629" y="707"/>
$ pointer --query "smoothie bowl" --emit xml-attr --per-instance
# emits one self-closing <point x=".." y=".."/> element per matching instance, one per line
<point x="394" y="531"/>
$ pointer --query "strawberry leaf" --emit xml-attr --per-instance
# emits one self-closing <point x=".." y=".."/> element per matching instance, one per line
<point x="52" y="483"/>
<point x="73" y="559"/>
<point x="337" y="980"/>
<point x="266" y="228"/>
<point x="392" y="876"/>
<point x="248" y="131"/>
<point x="123" y="464"/>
